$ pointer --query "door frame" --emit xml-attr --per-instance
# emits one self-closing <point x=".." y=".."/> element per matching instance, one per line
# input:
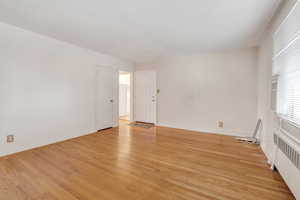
<point x="131" y="101"/>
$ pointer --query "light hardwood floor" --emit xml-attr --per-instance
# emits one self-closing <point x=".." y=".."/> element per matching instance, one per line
<point x="141" y="164"/>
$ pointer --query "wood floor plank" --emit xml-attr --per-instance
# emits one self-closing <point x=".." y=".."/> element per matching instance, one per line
<point x="143" y="164"/>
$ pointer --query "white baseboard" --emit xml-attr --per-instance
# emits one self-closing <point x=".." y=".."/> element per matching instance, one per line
<point x="19" y="147"/>
<point x="211" y="131"/>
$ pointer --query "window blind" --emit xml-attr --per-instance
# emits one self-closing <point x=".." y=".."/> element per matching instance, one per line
<point x="288" y="63"/>
<point x="292" y="101"/>
<point x="274" y="93"/>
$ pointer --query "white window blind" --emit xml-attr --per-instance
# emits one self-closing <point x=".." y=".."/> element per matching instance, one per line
<point x="289" y="82"/>
<point x="288" y="63"/>
<point x="291" y="103"/>
<point x="274" y="93"/>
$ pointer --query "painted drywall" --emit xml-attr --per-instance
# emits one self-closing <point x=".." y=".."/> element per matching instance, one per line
<point x="265" y="56"/>
<point x="264" y="95"/>
<point x="197" y="91"/>
<point x="124" y="95"/>
<point x="47" y="89"/>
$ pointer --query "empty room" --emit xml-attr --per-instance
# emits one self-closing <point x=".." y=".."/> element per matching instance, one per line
<point x="150" y="100"/>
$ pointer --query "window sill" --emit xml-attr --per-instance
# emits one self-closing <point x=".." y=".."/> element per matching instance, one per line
<point x="291" y="121"/>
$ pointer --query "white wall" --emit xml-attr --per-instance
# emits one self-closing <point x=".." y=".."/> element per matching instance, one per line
<point x="199" y="90"/>
<point x="47" y="89"/>
<point x="124" y="94"/>
<point x="264" y="94"/>
<point x="265" y="79"/>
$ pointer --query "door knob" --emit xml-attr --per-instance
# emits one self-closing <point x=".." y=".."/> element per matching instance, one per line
<point x="111" y="101"/>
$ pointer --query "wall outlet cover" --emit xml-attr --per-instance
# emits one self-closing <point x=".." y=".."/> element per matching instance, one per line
<point x="10" y="138"/>
<point x="220" y="124"/>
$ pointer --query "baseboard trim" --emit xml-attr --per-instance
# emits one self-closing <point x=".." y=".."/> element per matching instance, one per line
<point x="24" y="149"/>
<point x="209" y="131"/>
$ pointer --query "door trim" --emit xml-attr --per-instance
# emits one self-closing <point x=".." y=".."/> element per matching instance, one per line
<point x="131" y="88"/>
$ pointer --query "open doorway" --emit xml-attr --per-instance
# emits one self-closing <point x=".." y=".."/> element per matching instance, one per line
<point x="124" y="95"/>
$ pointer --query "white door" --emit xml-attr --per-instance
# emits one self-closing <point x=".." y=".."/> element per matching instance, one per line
<point x="104" y="97"/>
<point x="145" y="96"/>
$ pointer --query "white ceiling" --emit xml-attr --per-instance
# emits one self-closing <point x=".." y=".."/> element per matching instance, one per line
<point x="143" y="30"/>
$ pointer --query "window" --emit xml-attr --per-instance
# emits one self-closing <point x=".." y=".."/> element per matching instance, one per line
<point x="274" y="93"/>
<point x="287" y="61"/>
<point x="289" y="81"/>
<point x="291" y="102"/>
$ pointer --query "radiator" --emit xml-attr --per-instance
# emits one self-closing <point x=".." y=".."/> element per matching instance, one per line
<point x="292" y="154"/>
<point x="287" y="154"/>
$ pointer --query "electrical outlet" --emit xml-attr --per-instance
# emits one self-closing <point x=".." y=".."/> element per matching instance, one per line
<point x="10" y="138"/>
<point x="220" y="124"/>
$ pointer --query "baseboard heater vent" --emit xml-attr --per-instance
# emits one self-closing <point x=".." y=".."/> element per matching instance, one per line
<point x="290" y="152"/>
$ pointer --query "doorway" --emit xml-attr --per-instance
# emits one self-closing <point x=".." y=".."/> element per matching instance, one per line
<point x="125" y="95"/>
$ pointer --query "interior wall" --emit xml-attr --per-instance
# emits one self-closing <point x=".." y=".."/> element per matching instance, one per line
<point x="264" y="94"/>
<point x="124" y="95"/>
<point x="47" y="89"/>
<point x="197" y="91"/>
<point x="265" y="56"/>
